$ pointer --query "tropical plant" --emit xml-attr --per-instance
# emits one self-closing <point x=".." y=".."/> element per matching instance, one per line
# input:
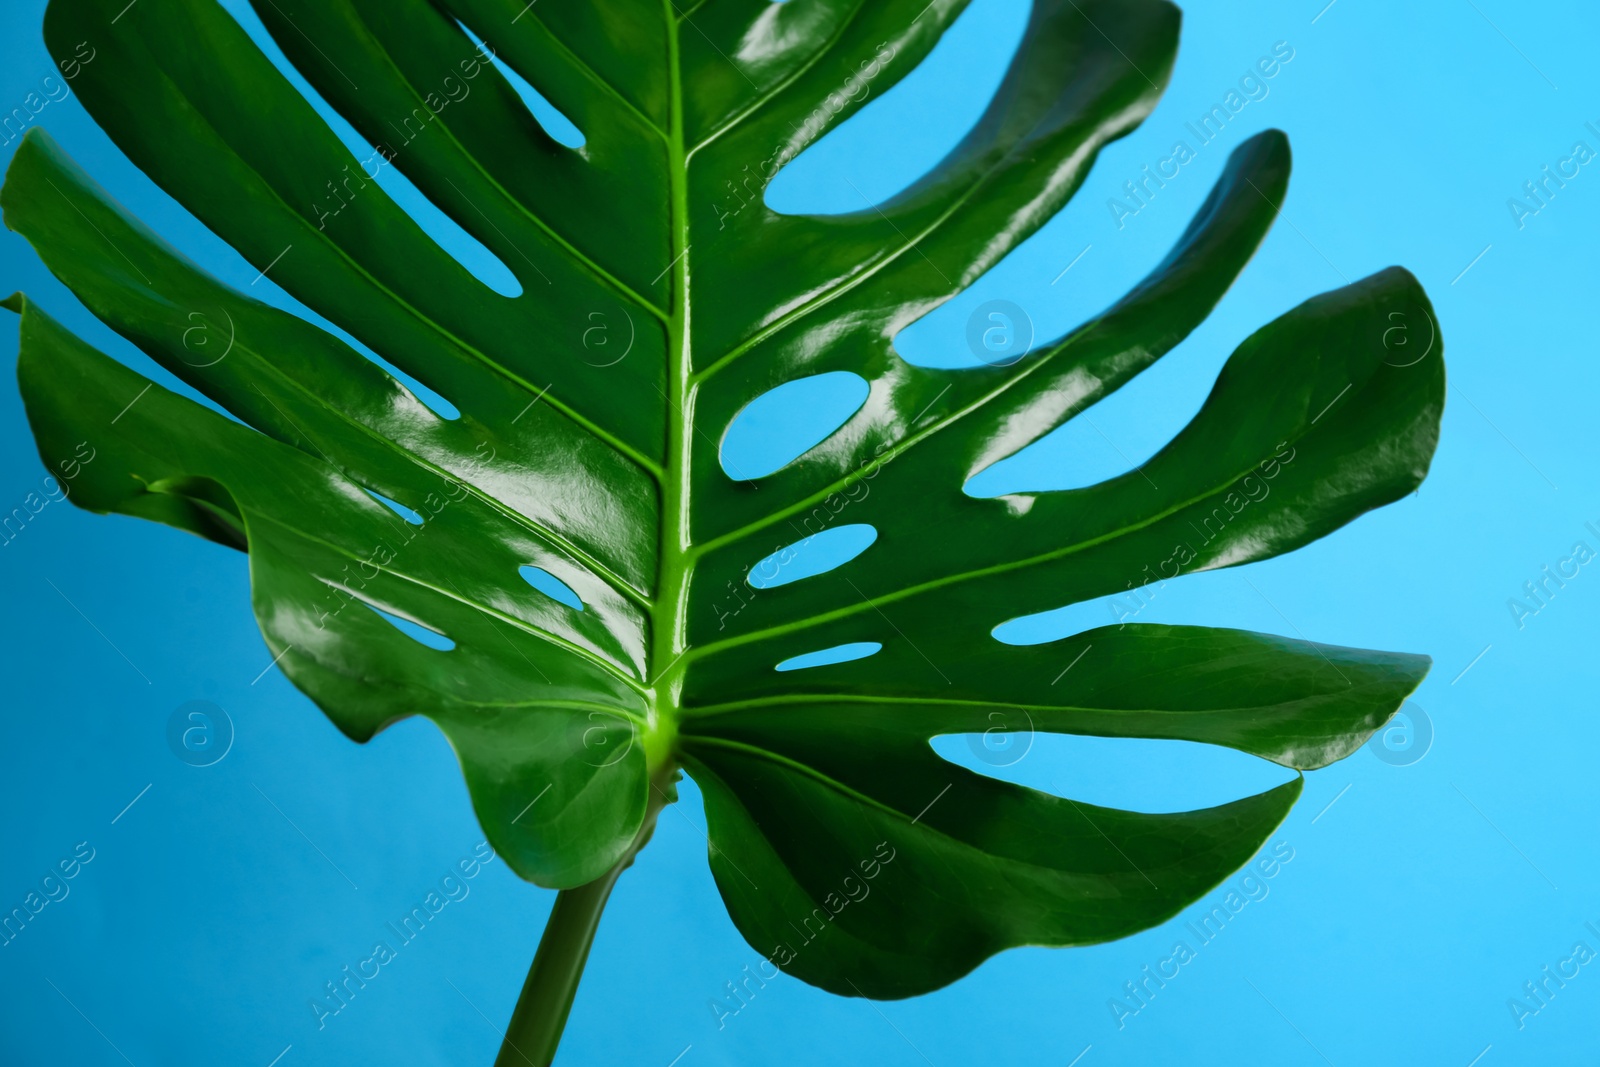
<point x="574" y="710"/>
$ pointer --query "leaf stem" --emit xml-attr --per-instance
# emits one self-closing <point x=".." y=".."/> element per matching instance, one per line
<point x="546" y="1000"/>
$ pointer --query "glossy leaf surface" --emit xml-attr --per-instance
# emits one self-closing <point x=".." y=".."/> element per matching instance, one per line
<point x="846" y="849"/>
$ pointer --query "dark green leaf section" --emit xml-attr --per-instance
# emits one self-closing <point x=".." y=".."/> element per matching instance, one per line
<point x="525" y="703"/>
<point x="1299" y="704"/>
<point x="986" y="867"/>
<point x="801" y="789"/>
<point x="414" y="60"/>
<point x="983" y="415"/>
<point x="605" y="53"/>
<point x="191" y="100"/>
<point x="847" y="850"/>
<point x="307" y="388"/>
<point x="785" y="289"/>
<point x="1311" y="423"/>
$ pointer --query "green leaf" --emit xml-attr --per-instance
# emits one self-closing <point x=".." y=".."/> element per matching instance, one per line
<point x="846" y="849"/>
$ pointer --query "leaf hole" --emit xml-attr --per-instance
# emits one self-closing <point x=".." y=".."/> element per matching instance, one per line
<point x="472" y="254"/>
<point x="901" y="134"/>
<point x="395" y="506"/>
<point x="456" y="242"/>
<point x="817" y="554"/>
<point x="1117" y="435"/>
<point x="551" y="586"/>
<point x="426" y="396"/>
<point x="1150" y="775"/>
<point x="1213" y="597"/>
<point x="561" y="129"/>
<point x="786" y="422"/>
<point x="826" y="656"/>
<point x="422" y="635"/>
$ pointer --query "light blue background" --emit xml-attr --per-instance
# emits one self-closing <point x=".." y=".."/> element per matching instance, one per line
<point x="1415" y="905"/>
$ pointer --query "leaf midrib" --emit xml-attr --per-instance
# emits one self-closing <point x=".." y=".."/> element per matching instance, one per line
<point x="674" y="566"/>
<point x="839" y="290"/>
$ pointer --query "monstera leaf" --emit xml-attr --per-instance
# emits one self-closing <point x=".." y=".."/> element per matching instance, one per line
<point x="847" y="851"/>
